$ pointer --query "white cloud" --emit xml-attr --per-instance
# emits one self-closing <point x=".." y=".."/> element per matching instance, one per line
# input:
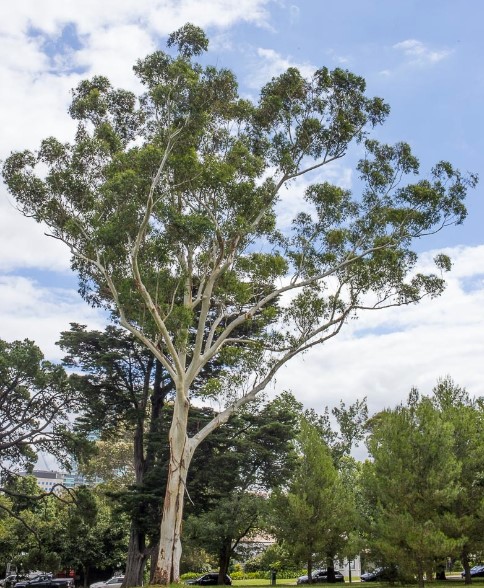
<point x="161" y="16"/>
<point x="270" y="64"/>
<point x="106" y="55"/>
<point x="419" y="53"/>
<point x="383" y="354"/>
<point x="24" y="245"/>
<point x="28" y="310"/>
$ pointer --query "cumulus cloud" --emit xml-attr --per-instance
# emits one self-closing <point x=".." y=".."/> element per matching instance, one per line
<point x="383" y="354"/>
<point x="24" y="245"/>
<point x="31" y="311"/>
<point x="270" y="64"/>
<point x="419" y="53"/>
<point x="161" y="16"/>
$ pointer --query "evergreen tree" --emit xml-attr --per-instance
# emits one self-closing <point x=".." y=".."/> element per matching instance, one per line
<point x="412" y="478"/>
<point x="314" y="515"/>
<point x="464" y="518"/>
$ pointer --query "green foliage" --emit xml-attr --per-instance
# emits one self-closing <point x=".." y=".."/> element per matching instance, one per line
<point x="411" y="482"/>
<point x="266" y="575"/>
<point x="275" y="557"/>
<point x="313" y="516"/>
<point x="35" y="397"/>
<point x="250" y="455"/>
<point x="351" y="423"/>
<point x="90" y="534"/>
<point x="190" y="40"/>
<point x="76" y="529"/>
<point x="463" y="521"/>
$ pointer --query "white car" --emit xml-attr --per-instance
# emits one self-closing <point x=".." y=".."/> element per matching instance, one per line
<point x="114" y="582"/>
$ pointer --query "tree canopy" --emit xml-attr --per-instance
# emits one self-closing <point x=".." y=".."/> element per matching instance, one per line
<point x="168" y="204"/>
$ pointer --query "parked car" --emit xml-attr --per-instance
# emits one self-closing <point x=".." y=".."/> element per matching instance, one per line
<point x="12" y="579"/>
<point x="114" y="582"/>
<point x="210" y="579"/>
<point x="476" y="572"/>
<point x="388" y="573"/>
<point x="46" y="581"/>
<point x="320" y="576"/>
<point x="31" y="578"/>
<point x="374" y="576"/>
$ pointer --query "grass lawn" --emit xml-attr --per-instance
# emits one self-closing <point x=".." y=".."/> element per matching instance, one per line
<point x="264" y="583"/>
<point x="451" y="582"/>
<point x="454" y="582"/>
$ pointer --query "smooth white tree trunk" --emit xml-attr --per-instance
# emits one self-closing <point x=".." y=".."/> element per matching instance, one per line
<point x="167" y="568"/>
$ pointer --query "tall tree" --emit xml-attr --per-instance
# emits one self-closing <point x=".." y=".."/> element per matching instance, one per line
<point x="168" y="206"/>
<point x="121" y="387"/>
<point x="464" y="518"/>
<point x="413" y="477"/>
<point x="314" y="516"/>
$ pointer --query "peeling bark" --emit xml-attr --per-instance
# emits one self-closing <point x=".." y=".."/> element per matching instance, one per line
<point x="167" y="568"/>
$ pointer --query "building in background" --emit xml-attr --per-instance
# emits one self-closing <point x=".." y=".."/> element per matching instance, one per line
<point x="51" y="481"/>
<point x="47" y="480"/>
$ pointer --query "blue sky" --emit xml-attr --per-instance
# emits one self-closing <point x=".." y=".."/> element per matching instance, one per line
<point x="423" y="57"/>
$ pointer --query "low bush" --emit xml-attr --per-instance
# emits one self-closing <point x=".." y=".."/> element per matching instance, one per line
<point x="265" y="575"/>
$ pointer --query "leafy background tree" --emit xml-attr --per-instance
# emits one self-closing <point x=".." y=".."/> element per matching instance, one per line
<point x="35" y="398"/>
<point x="463" y="520"/>
<point x="122" y="389"/>
<point x="412" y="479"/>
<point x="313" y="516"/>
<point x="92" y="537"/>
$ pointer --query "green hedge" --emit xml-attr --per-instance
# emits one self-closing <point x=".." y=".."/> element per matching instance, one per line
<point x="261" y="575"/>
<point x="266" y="575"/>
<point x="190" y="575"/>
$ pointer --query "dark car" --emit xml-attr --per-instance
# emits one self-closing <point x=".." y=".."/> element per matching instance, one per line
<point x="320" y="576"/>
<point x="476" y="572"/>
<point x="46" y="581"/>
<point x="374" y="576"/>
<point x="388" y="573"/>
<point x="210" y="579"/>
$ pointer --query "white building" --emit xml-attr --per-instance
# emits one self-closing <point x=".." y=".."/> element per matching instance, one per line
<point x="47" y="480"/>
